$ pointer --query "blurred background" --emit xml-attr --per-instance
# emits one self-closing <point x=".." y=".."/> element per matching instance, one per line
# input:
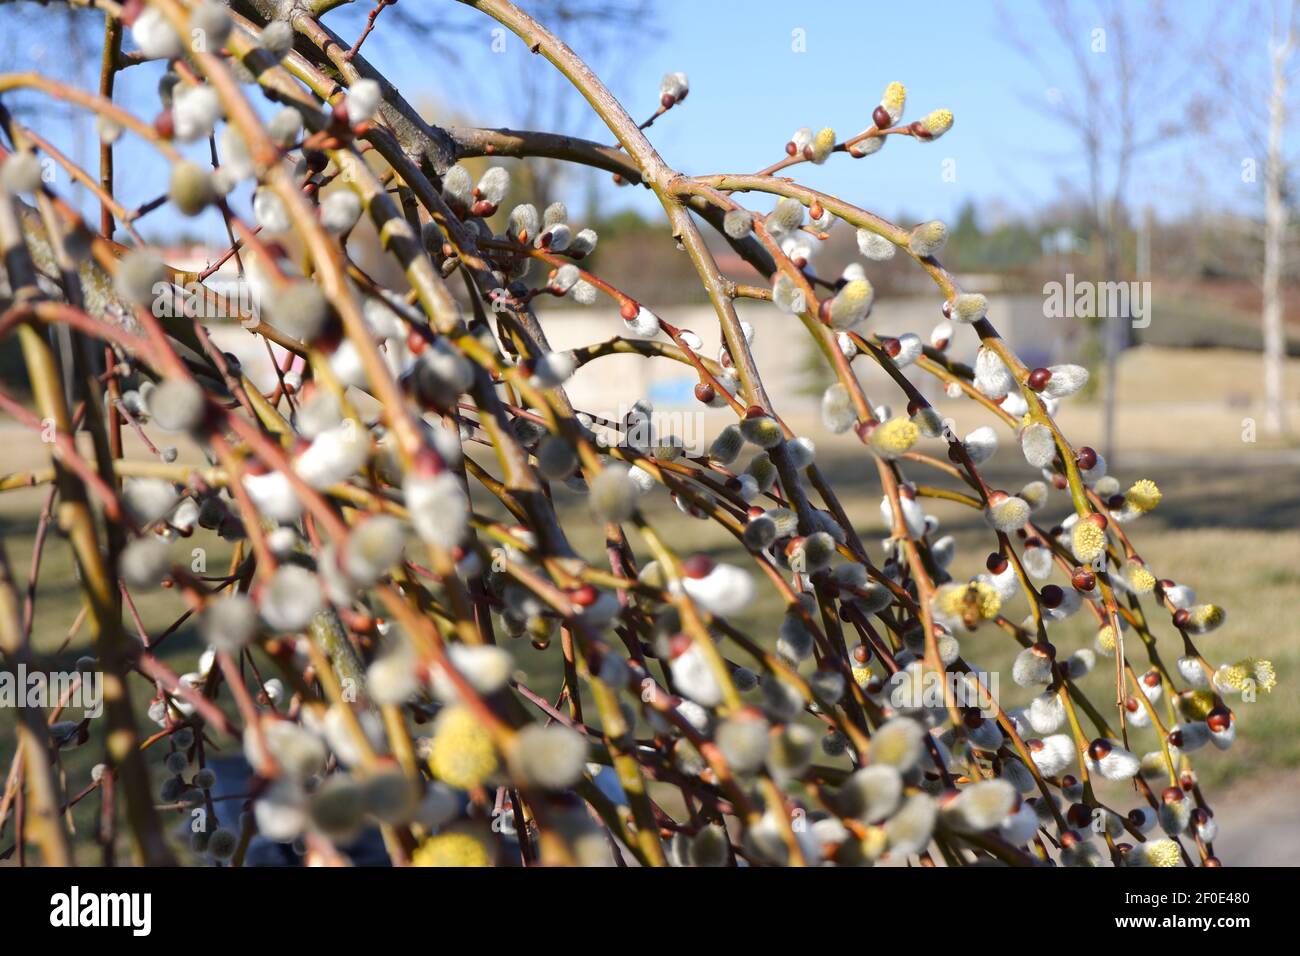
<point x="1094" y="143"/>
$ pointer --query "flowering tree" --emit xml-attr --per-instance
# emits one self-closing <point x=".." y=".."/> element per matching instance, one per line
<point x="366" y="571"/>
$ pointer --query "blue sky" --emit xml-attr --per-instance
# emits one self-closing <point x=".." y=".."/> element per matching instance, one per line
<point x="750" y="89"/>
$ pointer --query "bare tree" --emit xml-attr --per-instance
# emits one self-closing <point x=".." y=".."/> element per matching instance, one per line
<point x="609" y="33"/>
<point x="1281" y="48"/>
<point x="1259" y="86"/>
<point x="1115" y="81"/>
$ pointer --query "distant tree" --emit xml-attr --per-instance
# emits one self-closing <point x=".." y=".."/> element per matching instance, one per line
<point x="610" y="31"/>
<point x="1118" y="79"/>
<point x="1260" y="85"/>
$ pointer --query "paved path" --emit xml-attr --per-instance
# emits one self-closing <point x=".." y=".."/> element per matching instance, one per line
<point x="1259" y="822"/>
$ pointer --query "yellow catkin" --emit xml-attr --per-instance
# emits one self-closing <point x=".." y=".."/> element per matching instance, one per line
<point x="1139" y="578"/>
<point x="822" y="145"/>
<point x="451" y="849"/>
<point x="874" y="841"/>
<point x="895" y="436"/>
<point x="1163" y="853"/>
<point x="1143" y="495"/>
<point x="937" y="122"/>
<point x="1106" y="639"/>
<point x="462" y="753"/>
<point x="1206" y="617"/>
<point x="954" y="599"/>
<point x="1008" y="515"/>
<point x="893" y="100"/>
<point x="1088" y="542"/>
<point x="1244" y="673"/>
<point x="855" y="297"/>
<point x="990" y="602"/>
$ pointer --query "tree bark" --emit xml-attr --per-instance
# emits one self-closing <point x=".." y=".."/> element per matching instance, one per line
<point x="1274" y="236"/>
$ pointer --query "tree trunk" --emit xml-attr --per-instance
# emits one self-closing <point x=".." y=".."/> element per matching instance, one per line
<point x="1116" y="330"/>
<point x="1274" y="234"/>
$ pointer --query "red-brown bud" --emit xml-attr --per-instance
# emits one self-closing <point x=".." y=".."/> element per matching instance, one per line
<point x="698" y="566"/>
<point x="164" y="124"/>
<point x="584" y="596"/>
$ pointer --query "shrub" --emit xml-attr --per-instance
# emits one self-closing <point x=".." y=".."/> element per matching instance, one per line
<point x="369" y="572"/>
